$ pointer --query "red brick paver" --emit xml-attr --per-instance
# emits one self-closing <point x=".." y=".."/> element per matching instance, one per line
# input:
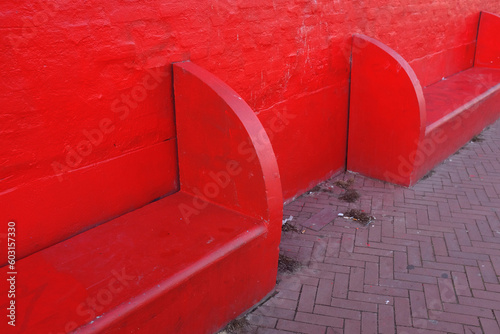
<point x="429" y="263"/>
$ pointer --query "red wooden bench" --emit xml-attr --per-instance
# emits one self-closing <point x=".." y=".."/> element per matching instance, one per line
<point x="399" y="130"/>
<point x="106" y="251"/>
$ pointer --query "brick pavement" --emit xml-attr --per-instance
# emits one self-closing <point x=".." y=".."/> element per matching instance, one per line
<point x="429" y="263"/>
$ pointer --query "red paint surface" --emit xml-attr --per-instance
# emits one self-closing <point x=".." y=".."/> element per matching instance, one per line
<point x="224" y="152"/>
<point x="387" y="111"/>
<point x="71" y="70"/>
<point x="435" y="67"/>
<point x="448" y="95"/>
<point x="64" y="65"/>
<point x="399" y="131"/>
<point x="488" y="48"/>
<point x="446" y="136"/>
<point x="52" y="209"/>
<point x="157" y="268"/>
<point x="169" y="266"/>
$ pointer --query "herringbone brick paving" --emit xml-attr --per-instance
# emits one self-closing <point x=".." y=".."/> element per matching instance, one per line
<point x="429" y="263"/>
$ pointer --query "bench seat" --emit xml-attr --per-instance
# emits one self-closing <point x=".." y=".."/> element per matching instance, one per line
<point x="450" y="94"/>
<point x="146" y="257"/>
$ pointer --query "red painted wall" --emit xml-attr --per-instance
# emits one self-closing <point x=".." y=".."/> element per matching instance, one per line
<point x="70" y="68"/>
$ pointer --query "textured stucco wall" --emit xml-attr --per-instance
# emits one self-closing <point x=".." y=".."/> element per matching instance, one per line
<point x="71" y="68"/>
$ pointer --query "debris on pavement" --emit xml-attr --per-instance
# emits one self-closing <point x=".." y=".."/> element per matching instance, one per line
<point x="320" y="188"/>
<point x="286" y="220"/>
<point x="287" y="227"/>
<point x="350" y="196"/>
<point x="359" y="216"/>
<point x="344" y="184"/>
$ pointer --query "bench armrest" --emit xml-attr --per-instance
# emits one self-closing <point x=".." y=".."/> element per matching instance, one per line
<point x="488" y="48"/>
<point x="225" y="156"/>
<point x="387" y="112"/>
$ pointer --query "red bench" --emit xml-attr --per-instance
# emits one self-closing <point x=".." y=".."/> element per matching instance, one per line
<point x="399" y="130"/>
<point x="104" y="250"/>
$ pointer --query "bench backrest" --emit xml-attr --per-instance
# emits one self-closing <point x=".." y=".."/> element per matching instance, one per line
<point x="452" y="59"/>
<point x="55" y="206"/>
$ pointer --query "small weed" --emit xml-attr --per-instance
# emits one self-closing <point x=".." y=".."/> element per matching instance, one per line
<point x="318" y="189"/>
<point x="315" y="189"/>
<point x="428" y="175"/>
<point x="350" y="196"/>
<point x="287" y="227"/>
<point x="287" y="264"/>
<point x="477" y="139"/>
<point x="236" y="326"/>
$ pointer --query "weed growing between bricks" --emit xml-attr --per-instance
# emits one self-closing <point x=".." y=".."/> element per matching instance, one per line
<point x="287" y="264"/>
<point x="350" y="196"/>
<point x="236" y="326"/>
<point x="320" y="188"/>
<point x="428" y="175"/>
<point x="287" y="227"/>
<point x="344" y="184"/>
<point x="477" y="139"/>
